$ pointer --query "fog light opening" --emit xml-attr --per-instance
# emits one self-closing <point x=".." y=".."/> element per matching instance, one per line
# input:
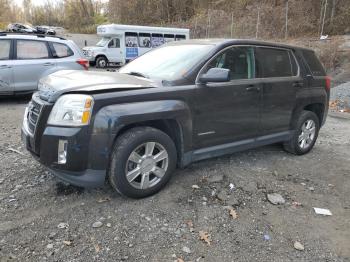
<point x="62" y="151"/>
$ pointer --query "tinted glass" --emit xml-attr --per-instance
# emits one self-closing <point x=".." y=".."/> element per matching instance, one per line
<point x="131" y="39"/>
<point x="27" y="49"/>
<point x="294" y="64"/>
<point x="114" y="43"/>
<point x="273" y="62"/>
<point x="62" y="50"/>
<point x="314" y="64"/>
<point x="180" y="37"/>
<point x="145" y="40"/>
<point x="5" y="46"/>
<point x="239" y="60"/>
<point x="157" y="40"/>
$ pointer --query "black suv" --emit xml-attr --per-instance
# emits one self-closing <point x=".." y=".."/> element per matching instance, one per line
<point x="183" y="102"/>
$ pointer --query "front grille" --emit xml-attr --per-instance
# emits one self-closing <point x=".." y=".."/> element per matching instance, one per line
<point x="34" y="110"/>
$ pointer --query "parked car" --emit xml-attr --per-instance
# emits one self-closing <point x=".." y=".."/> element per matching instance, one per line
<point x="20" y="28"/>
<point x="45" y="30"/>
<point x="183" y="102"/>
<point x="24" y="59"/>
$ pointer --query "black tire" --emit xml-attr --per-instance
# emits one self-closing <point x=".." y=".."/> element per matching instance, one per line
<point x="293" y="146"/>
<point x="124" y="146"/>
<point x="101" y="62"/>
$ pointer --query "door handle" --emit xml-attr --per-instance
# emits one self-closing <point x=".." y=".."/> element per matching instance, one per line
<point x="252" y="88"/>
<point x="5" y="66"/>
<point x="298" y="84"/>
<point x="48" y="64"/>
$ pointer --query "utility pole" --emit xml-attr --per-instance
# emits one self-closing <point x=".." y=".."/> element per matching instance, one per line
<point x="257" y="24"/>
<point x="324" y="16"/>
<point x="195" y="28"/>
<point x="232" y="25"/>
<point x="208" y="25"/>
<point x="286" y="32"/>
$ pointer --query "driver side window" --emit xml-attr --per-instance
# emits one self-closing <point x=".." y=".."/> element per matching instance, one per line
<point x="114" y="43"/>
<point x="239" y="60"/>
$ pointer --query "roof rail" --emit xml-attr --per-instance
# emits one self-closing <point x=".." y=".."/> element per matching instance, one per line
<point x="5" y="33"/>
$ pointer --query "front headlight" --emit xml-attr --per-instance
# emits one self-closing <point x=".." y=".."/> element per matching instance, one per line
<point x="72" y="110"/>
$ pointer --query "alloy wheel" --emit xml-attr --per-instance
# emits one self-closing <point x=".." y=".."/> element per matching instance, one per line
<point x="307" y="134"/>
<point x="146" y="165"/>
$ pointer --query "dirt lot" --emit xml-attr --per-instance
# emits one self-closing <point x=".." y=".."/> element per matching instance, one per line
<point x="33" y="206"/>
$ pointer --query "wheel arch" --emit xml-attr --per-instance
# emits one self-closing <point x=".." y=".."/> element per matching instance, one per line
<point x="101" y="55"/>
<point x="172" y="117"/>
<point x="171" y="127"/>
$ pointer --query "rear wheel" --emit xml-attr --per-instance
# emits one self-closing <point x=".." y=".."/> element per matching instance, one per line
<point x="101" y="62"/>
<point x="306" y="132"/>
<point x="143" y="161"/>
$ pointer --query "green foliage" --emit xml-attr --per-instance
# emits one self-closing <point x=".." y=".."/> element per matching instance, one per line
<point x="100" y="19"/>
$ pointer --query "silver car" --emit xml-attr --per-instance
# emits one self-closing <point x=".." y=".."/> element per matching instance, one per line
<point x="24" y="59"/>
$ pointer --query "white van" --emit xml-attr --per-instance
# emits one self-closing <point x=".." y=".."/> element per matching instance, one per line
<point x="122" y="43"/>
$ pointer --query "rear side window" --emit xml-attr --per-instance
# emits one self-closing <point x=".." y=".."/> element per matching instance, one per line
<point x="180" y="37"/>
<point x="272" y="62"/>
<point x="131" y="39"/>
<point x="145" y="40"/>
<point x="314" y="64"/>
<point x="157" y="40"/>
<point x="27" y="49"/>
<point x="62" y="50"/>
<point x="5" y="46"/>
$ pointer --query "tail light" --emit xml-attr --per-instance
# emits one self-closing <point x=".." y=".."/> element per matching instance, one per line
<point x="84" y="63"/>
<point x="328" y="82"/>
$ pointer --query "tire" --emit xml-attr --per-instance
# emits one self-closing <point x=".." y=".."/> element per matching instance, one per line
<point x="101" y="62"/>
<point x="296" y="145"/>
<point x="124" y="160"/>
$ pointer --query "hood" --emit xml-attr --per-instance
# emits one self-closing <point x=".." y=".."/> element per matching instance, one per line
<point x="64" y="81"/>
<point x="92" y="47"/>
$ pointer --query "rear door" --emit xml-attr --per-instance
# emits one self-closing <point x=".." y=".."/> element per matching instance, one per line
<point x="33" y="59"/>
<point x="6" y="67"/>
<point x="229" y="111"/>
<point x="279" y="73"/>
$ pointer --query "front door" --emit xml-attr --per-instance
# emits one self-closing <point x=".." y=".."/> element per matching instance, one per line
<point x="279" y="74"/>
<point x="33" y="59"/>
<point x="229" y="111"/>
<point x="113" y="51"/>
<point x="6" y="72"/>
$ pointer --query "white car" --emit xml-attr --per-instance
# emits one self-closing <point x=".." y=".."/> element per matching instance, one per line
<point x="24" y="59"/>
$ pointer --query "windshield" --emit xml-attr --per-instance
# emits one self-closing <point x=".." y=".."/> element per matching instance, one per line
<point x="168" y="62"/>
<point x="103" y="42"/>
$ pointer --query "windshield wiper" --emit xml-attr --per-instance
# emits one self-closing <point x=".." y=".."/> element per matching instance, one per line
<point x="138" y="74"/>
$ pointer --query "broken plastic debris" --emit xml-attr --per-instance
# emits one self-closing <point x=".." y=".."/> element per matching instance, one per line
<point x="232" y="186"/>
<point x="298" y="246"/>
<point x="267" y="237"/>
<point x="322" y="211"/>
<point x="195" y="186"/>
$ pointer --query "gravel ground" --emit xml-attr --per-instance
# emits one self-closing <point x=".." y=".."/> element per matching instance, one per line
<point x="340" y="95"/>
<point x="44" y="220"/>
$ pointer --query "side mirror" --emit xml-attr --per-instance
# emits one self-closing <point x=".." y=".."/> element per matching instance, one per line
<point x="215" y="75"/>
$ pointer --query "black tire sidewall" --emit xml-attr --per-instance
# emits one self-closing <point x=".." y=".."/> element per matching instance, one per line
<point x="306" y="115"/>
<point x="121" y="152"/>
<point x="98" y="62"/>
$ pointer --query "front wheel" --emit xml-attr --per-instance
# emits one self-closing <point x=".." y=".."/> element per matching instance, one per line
<point x="101" y="62"/>
<point x="142" y="162"/>
<point x="305" y="135"/>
